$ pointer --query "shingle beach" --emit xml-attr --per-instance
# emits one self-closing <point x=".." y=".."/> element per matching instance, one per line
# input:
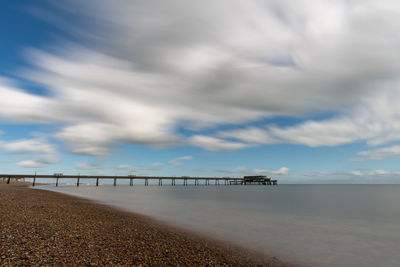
<point x="40" y="227"/>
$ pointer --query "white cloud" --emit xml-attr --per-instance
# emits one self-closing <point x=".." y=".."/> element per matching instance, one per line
<point x="215" y="144"/>
<point x="381" y="153"/>
<point x="356" y="173"/>
<point x="30" y="164"/>
<point x="374" y="120"/>
<point x="158" y="67"/>
<point x="178" y="161"/>
<point x="280" y="171"/>
<point x="243" y="170"/>
<point x="20" y="107"/>
<point x="43" y="153"/>
<point x="250" y="135"/>
<point x="27" y="146"/>
<point x="86" y="166"/>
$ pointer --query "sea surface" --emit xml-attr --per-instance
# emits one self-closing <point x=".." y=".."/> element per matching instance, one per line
<point x="314" y="225"/>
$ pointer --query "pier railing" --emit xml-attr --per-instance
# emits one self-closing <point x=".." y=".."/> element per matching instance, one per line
<point x="183" y="179"/>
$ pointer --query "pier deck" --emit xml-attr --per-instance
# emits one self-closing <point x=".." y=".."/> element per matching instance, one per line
<point x="57" y="177"/>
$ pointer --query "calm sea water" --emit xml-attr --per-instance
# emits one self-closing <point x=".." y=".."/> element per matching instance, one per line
<point x="317" y="225"/>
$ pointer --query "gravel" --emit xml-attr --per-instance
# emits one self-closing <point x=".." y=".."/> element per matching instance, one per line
<point x="46" y="228"/>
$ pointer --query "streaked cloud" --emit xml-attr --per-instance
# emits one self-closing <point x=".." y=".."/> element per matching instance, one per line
<point x="243" y="170"/>
<point x="219" y="75"/>
<point x="379" y="154"/>
<point x="374" y="121"/>
<point x="86" y="166"/>
<point x="280" y="171"/>
<point x="215" y="144"/>
<point x="158" y="67"/>
<point x="40" y="152"/>
<point x="179" y="161"/>
<point x="27" y="146"/>
<point x="39" y="161"/>
<point x="30" y="163"/>
<point x="356" y="173"/>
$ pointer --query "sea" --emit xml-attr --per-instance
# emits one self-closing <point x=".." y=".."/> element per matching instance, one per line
<point x="311" y="225"/>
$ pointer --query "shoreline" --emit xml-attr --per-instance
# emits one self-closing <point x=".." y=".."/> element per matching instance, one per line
<point x="45" y="227"/>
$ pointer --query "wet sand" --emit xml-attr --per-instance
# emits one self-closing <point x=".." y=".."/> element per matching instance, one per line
<point x="39" y="227"/>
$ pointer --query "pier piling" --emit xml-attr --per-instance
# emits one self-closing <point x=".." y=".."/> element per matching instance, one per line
<point x="246" y="180"/>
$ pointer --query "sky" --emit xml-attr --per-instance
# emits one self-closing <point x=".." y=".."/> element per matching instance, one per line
<point x="303" y="92"/>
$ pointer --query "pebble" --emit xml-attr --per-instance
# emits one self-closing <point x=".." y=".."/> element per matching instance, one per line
<point x="39" y="228"/>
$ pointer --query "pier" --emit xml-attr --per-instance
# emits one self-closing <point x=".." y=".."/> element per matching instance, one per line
<point x="254" y="180"/>
<point x="183" y="180"/>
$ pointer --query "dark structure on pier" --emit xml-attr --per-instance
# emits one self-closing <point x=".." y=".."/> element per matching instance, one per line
<point x="255" y="180"/>
<point x="246" y="180"/>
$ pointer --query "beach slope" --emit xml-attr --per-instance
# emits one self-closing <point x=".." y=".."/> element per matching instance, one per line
<point x="48" y="228"/>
